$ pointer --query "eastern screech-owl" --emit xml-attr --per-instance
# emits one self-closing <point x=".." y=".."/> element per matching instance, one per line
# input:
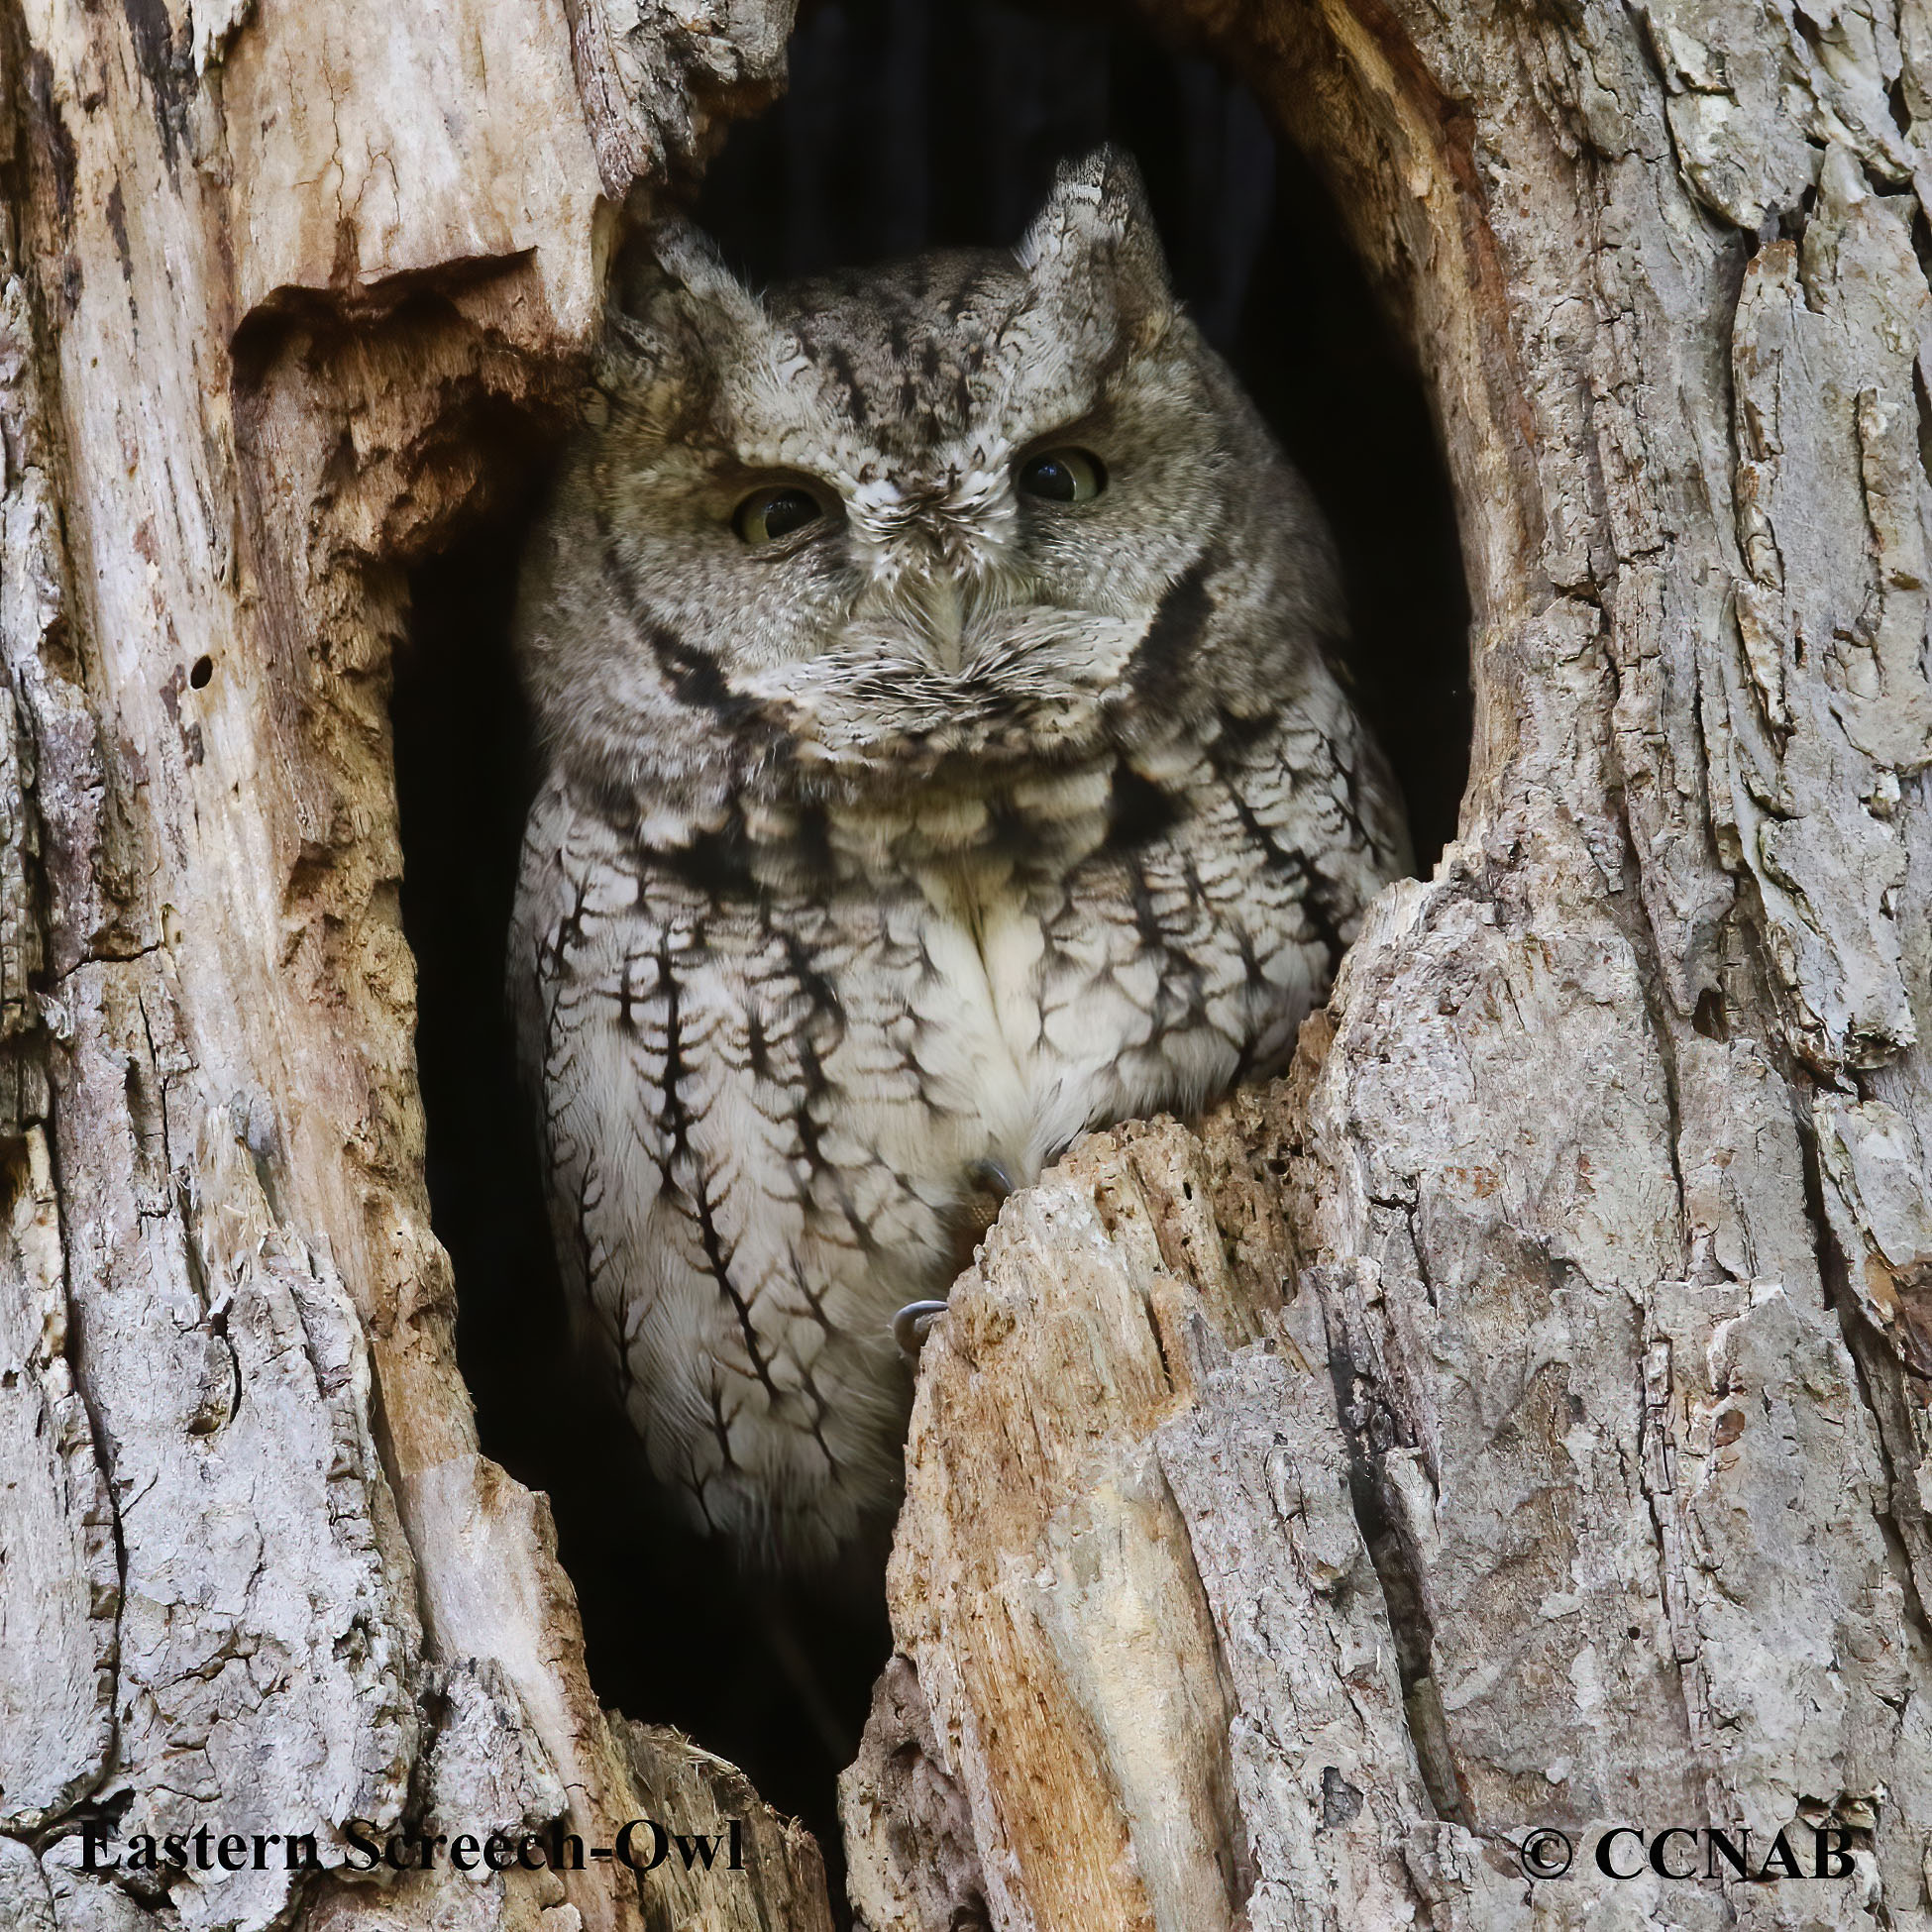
<point x="943" y="759"/>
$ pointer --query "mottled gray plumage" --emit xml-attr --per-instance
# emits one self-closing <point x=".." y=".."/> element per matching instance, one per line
<point x="877" y="861"/>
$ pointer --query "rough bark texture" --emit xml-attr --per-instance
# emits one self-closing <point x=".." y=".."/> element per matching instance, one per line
<point x="1518" y="1418"/>
<point x="262" y="269"/>
<point x="1556" y="1456"/>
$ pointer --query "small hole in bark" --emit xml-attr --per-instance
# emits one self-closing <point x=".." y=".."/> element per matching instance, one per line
<point x="1708" y="1018"/>
<point x="204" y="669"/>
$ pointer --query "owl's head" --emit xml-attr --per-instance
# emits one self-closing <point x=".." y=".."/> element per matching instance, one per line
<point x="971" y="514"/>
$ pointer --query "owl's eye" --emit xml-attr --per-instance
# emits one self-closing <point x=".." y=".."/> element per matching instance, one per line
<point x="1063" y="475"/>
<point x="775" y="511"/>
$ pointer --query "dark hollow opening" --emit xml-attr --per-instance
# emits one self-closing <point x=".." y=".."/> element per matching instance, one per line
<point x="910" y="126"/>
<point x="907" y="126"/>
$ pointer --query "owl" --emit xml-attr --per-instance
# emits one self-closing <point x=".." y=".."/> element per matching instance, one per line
<point x="943" y="758"/>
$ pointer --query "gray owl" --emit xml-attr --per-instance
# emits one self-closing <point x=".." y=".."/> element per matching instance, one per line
<point x="943" y="759"/>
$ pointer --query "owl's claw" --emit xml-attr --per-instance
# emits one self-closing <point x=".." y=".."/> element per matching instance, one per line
<point x="991" y="1176"/>
<point x="911" y="1324"/>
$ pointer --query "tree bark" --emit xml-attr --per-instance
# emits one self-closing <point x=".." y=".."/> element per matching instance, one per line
<point x="263" y="270"/>
<point x="1517" y="1417"/>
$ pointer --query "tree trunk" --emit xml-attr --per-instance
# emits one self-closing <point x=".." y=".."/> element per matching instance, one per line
<point x="265" y="271"/>
<point x="1516" y="1419"/>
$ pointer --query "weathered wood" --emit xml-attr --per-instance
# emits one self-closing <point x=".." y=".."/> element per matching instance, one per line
<point x="1043" y="1585"/>
<point x="57" y="1618"/>
<point x="694" y="1795"/>
<point x="1518" y="1416"/>
<point x="909" y="1830"/>
<point x="1080" y="1645"/>
<point x="1605" y="1174"/>
<point x="262" y="266"/>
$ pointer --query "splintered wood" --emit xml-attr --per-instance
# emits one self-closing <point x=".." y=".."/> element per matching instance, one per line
<point x="1518" y="1419"/>
<point x="1126" y="1516"/>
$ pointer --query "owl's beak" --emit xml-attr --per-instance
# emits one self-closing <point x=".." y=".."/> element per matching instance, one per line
<point x="942" y="615"/>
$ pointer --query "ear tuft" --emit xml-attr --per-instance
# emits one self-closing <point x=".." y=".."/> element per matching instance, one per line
<point x="677" y="307"/>
<point x="675" y="258"/>
<point x="1096" y="225"/>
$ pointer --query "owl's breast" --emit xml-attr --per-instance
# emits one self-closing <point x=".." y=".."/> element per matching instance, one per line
<point x="978" y="874"/>
<point x="966" y="838"/>
<point x="1102" y="943"/>
<point x="781" y="1044"/>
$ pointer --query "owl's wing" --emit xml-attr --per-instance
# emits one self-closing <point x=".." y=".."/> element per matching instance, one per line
<point x="1183" y="963"/>
<point x="732" y="1144"/>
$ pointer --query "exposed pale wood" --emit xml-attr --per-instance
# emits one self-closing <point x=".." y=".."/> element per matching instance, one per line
<point x="1042" y="1584"/>
<point x="692" y="1794"/>
<point x="274" y="1584"/>
<point x="1610" y="1157"/>
<point x="1518" y="1416"/>
<point x="62" y="1587"/>
<point x="360" y="148"/>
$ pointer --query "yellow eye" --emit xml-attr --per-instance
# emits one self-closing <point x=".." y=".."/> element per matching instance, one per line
<point x="1063" y="475"/>
<point x="775" y="511"/>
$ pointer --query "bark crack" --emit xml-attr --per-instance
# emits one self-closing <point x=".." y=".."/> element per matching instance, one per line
<point x="1369" y="1426"/>
<point x="1866" y="1350"/>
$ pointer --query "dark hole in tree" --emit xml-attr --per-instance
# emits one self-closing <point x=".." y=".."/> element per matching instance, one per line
<point x="911" y="126"/>
<point x="907" y="124"/>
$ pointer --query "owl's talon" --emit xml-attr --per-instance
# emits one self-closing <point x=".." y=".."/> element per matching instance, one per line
<point x="992" y="1176"/>
<point x="912" y="1323"/>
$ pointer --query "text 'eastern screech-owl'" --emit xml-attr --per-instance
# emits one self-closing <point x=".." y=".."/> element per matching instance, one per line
<point x="943" y="759"/>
